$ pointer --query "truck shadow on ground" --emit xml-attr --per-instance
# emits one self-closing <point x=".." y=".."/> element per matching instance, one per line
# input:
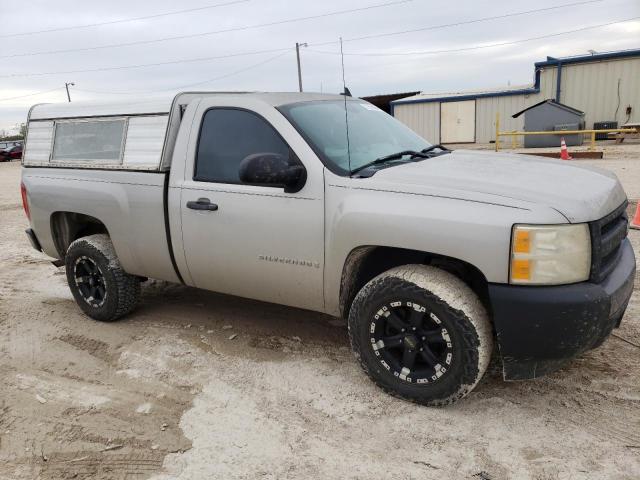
<point x="172" y="305"/>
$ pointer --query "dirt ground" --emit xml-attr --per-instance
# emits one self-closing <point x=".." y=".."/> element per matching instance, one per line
<point x="167" y="393"/>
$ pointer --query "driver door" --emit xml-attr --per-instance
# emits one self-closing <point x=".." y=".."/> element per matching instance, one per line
<point x="253" y="241"/>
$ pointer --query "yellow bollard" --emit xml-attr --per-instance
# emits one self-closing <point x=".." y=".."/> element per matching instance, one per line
<point x="497" y="131"/>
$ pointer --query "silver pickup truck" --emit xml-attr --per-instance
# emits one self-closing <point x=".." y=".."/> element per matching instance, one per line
<point x="439" y="259"/>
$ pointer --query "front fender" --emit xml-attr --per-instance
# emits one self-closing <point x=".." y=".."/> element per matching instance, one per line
<point x="477" y="233"/>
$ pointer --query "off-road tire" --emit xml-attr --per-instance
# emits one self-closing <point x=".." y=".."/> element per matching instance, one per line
<point x="122" y="289"/>
<point x="457" y="307"/>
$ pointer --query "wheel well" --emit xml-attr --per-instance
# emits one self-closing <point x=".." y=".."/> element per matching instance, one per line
<point x="365" y="263"/>
<point x="69" y="226"/>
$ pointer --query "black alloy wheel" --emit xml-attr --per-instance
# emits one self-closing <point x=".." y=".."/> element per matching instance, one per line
<point x="411" y="341"/>
<point x="90" y="281"/>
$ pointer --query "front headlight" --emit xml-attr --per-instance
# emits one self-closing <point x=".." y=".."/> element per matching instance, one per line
<point x="550" y="255"/>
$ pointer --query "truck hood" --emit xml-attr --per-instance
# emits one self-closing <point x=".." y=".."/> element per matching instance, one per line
<point x="579" y="192"/>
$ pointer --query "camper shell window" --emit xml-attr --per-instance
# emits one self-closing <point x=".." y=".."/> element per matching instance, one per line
<point x="96" y="140"/>
<point x="118" y="142"/>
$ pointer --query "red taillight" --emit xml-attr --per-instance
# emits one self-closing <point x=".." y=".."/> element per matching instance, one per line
<point x="25" y="202"/>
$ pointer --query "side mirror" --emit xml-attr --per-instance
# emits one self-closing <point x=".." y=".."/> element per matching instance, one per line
<point x="274" y="170"/>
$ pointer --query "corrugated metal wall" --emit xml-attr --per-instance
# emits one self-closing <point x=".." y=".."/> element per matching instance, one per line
<point x="590" y="87"/>
<point x="422" y="118"/>
<point x="506" y="106"/>
<point x="593" y="88"/>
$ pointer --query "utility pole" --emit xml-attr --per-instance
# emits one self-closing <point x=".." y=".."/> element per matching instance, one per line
<point x="298" y="45"/>
<point x="66" y="85"/>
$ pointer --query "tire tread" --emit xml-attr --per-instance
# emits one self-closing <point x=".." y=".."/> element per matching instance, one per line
<point x="128" y="289"/>
<point x="473" y="323"/>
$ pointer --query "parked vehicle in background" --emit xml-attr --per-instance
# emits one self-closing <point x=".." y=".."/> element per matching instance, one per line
<point x="12" y="153"/>
<point x="10" y="143"/>
<point x="434" y="256"/>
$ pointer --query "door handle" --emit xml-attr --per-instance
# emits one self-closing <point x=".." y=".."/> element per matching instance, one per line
<point x="202" y="204"/>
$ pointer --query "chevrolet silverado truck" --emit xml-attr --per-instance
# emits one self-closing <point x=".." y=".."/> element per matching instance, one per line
<point x="439" y="259"/>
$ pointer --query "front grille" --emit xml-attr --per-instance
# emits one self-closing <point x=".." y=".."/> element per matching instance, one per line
<point x="607" y="235"/>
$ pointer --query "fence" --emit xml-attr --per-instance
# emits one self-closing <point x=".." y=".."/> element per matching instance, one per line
<point x="592" y="133"/>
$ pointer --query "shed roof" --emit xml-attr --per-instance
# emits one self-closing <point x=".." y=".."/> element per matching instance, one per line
<point x="388" y="97"/>
<point x="465" y="94"/>
<point x="383" y="102"/>
<point x="550" y="101"/>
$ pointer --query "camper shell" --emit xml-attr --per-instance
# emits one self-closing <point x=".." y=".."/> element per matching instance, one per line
<point x="140" y="138"/>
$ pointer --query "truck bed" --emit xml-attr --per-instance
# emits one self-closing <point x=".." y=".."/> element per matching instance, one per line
<point x="129" y="203"/>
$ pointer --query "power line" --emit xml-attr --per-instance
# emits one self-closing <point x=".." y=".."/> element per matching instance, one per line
<point x="235" y="72"/>
<point x="144" y="65"/>
<point x="213" y="32"/>
<point x="30" y="94"/>
<point x="411" y="53"/>
<point x="125" y="20"/>
<point x="284" y="50"/>
<point x="366" y="54"/>
<point x="214" y="79"/>
<point x="475" y="47"/>
<point x="205" y="59"/>
<point x="220" y="77"/>
<point x="458" y="24"/>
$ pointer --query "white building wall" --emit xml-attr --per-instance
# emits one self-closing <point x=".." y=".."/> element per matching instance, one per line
<point x="590" y="87"/>
<point x="486" y="109"/>
<point x="506" y="106"/>
<point x="422" y="118"/>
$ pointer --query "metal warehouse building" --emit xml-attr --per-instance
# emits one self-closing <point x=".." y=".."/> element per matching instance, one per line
<point x="605" y="86"/>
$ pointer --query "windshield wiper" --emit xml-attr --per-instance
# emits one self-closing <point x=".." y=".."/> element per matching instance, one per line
<point x="388" y="158"/>
<point x="433" y="147"/>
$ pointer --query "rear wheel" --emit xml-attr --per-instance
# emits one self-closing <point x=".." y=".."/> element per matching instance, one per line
<point x="421" y="333"/>
<point x="100" y="286"/>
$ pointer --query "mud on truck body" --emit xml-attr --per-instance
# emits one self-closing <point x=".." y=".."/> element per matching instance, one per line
<point x="439" y="259"/>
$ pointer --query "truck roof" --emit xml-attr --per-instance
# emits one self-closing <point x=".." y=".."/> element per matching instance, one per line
<point x="159" y="105"/>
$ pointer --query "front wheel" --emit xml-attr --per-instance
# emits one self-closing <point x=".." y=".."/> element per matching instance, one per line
<point x="421" y="333"/>
<point x="102" y="289"/>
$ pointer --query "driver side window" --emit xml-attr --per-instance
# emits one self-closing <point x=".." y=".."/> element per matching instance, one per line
<point x="227" y="136"/>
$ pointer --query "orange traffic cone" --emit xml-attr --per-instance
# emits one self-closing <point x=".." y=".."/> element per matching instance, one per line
<point x="635" y="223"/>
<point x="564" y="153"/>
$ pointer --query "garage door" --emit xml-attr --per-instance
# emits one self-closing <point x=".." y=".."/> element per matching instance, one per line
<point x="458" y="122"/>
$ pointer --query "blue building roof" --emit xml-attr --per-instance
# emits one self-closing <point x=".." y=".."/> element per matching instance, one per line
<point x="550" y="61"/>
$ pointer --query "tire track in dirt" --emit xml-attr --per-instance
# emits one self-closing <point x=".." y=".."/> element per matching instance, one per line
<point x="96" y="348"/>
<point x="601" y="423"/>
<point x="81" y="465"/>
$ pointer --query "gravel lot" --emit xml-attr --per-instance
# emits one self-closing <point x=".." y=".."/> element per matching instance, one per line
<point x="165" y="393"/>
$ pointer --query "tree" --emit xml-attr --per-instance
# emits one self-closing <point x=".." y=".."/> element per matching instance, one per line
<point x="5" y="135"/>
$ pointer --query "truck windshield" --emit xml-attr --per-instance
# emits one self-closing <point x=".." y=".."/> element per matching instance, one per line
<point x="372" y="133"/>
